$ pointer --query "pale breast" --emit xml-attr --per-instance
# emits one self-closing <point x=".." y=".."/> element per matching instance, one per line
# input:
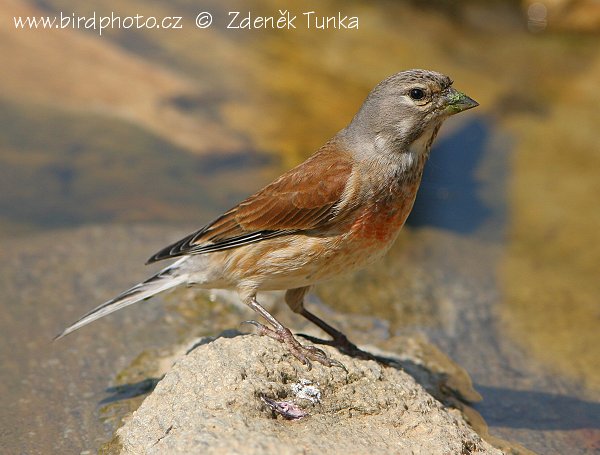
<point x="304" y="259"/>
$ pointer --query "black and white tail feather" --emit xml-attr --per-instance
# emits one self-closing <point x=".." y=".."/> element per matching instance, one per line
<point x="164" y="280"/>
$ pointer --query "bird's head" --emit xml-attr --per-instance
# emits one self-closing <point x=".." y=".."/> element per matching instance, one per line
<point x="402" y="107"/>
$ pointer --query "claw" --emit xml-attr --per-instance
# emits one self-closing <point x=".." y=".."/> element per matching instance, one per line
<point x="321" y="356"/>
<point x="251" y="322"/>
<point x="303" y="353"/>
<point x="261" y="328"/>
<point x="343" y="345"/>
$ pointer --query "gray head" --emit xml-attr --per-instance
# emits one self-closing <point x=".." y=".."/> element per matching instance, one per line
<point x="404" y="106"/>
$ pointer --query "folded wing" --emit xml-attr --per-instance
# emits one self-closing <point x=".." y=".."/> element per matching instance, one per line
<point x="304" y="198"/>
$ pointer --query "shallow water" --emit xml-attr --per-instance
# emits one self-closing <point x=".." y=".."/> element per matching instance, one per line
<point x="149" y="134"/>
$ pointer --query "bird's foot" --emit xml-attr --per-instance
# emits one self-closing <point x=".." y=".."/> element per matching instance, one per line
<point x="342" y="344"/>
<point x="303" y="353"/>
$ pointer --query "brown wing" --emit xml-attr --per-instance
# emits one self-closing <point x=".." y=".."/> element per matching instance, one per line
<point x="301" y="199"/>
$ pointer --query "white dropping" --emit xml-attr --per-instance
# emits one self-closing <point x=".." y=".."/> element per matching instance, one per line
<point x="306" y="390"/>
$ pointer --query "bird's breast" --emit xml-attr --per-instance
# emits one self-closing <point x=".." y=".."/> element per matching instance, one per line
<point x="381" y="219"/>
<point x="299" y="260"/>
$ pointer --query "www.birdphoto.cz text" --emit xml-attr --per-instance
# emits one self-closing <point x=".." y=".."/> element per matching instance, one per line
<point x="235" y="20"/>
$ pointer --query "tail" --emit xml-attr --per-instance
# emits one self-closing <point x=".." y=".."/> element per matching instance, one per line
<point x="162" y="281"/>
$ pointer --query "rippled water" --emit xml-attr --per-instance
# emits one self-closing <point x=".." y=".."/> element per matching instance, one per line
<point x="111" y="147"/>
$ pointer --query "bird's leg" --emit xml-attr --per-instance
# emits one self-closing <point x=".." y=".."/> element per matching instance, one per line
<point x="282" y="334"/>
<point x="295" y="300"/>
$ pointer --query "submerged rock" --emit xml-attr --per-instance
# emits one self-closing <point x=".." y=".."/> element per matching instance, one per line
<point x="223" y="398"/>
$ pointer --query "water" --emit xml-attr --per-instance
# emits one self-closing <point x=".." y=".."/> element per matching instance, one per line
<point x="124" y="143"/>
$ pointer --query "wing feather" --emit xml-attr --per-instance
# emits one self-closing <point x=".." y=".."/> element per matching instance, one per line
<point x="303" y="198"/>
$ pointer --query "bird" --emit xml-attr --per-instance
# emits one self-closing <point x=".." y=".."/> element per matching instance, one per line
<point x="338" y="211"/>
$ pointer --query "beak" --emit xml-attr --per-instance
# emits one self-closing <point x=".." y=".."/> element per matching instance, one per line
<point x="457" y="102"/>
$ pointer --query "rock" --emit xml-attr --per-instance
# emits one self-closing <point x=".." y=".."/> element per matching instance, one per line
<point x="215" y="401"/>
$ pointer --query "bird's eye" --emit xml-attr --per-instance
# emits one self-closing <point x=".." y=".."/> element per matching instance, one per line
<point x="417" y="93"/>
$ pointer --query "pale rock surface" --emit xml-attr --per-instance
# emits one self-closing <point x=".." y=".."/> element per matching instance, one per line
<point x="210" y="403"/>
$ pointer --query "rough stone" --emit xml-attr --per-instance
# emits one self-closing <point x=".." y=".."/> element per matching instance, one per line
<point x="211" y="402"/>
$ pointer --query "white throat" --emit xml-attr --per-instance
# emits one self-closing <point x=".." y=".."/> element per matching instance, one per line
<point x="422" y="145"/>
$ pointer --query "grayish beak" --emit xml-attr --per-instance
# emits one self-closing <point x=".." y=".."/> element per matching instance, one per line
<point x="457" y="102"/>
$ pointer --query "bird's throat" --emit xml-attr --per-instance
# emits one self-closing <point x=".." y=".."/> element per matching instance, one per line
<point x="421" y="146"/>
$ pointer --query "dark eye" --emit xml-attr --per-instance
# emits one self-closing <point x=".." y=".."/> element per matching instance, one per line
<point x="417" y="93"/>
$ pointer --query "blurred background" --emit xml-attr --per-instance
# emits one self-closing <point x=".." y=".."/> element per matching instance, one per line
<point x="112" y="146"/>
